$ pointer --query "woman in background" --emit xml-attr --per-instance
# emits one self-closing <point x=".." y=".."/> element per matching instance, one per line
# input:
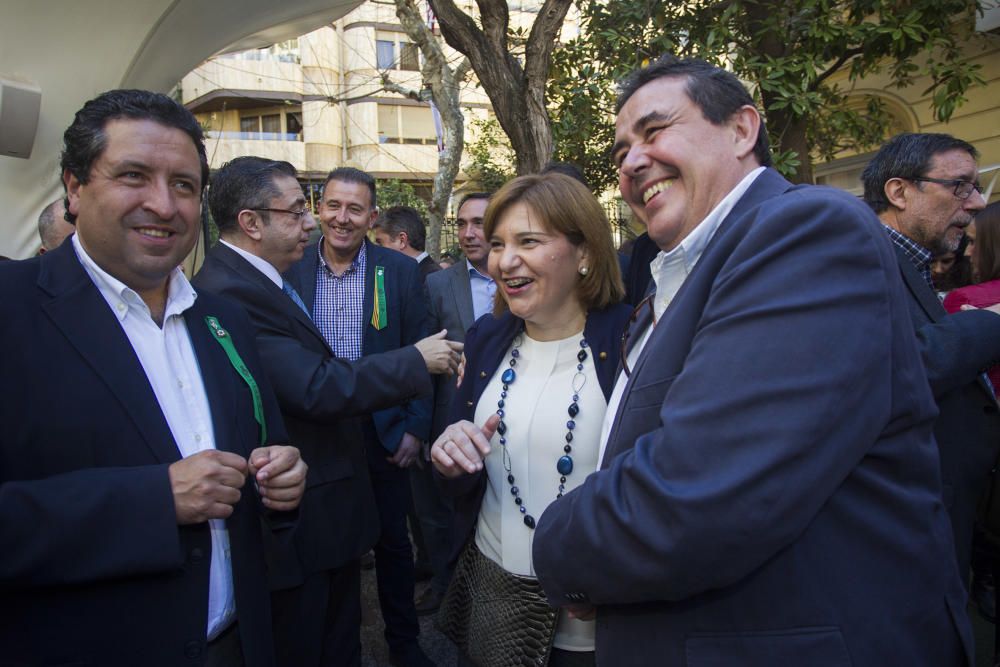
<point x="986" y="269"/>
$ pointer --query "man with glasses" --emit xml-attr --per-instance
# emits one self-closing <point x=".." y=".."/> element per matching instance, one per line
<point x="925" y="190"/>
<point x="264" y="224"/>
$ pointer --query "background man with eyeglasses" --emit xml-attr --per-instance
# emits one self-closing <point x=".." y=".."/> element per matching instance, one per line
<point x="925" y="190"/>
<point x="264" y="226"/>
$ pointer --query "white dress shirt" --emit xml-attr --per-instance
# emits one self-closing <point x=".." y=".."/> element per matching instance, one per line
<point x="170" y="364"/>
<point x="669" y="271"/>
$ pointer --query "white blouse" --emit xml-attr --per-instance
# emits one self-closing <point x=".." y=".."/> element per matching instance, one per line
<point x="536" y="415"/>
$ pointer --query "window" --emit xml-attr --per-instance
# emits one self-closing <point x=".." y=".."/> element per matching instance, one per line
<point x="388" y="45"/>
<point x="271" y="126"/>
<point x="385" y="52"/>
<point x="399" y="124"/>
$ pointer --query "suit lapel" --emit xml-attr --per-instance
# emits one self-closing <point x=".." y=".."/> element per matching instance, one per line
<point x="79" y="311"/>
<point x="302" y="276"/>
<point x="461" y="291"/>
<point x="918" y="287"/>
<point x="283" y="302"/>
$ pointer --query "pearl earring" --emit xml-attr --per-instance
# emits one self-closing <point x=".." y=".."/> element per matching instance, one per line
<point x="584" y="270"/>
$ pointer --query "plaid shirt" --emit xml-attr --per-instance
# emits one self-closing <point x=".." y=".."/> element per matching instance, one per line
<point x="339" y="307"/>
<point x="918" y="255"/>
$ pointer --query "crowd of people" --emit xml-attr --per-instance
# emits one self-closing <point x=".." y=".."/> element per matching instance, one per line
<point x="768" y="442"/>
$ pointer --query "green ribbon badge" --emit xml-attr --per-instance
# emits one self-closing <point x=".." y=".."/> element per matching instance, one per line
<point x="380" y="319"/>
<point x="226" y="341"/>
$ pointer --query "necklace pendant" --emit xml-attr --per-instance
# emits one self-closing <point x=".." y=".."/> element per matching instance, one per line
<point x="529" y="521"/>
<point x="565" y="465"/>
<point x="508" y="376"/>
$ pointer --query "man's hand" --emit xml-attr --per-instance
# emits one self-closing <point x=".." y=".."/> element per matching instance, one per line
<point x="280" y="474"/>
<point x="206" y="485"/>
<point x="409" y="449"/>
<point x="440" y="355"/>
<point x="462" y="447"/>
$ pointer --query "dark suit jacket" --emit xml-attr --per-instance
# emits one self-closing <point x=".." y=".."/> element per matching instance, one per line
<point x="770" y="493"/>
<point x="486" y="343"/>
<point x="318" y="393"/>
<point x="407" y="315"/>
<point x="449" y="301"/>
<point x="95" y="569"/>
<point x="956" y="350"/>
<point x="428" y="266"/>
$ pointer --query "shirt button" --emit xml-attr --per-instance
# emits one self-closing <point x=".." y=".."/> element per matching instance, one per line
<point x="121" y="307"/>
<point x="197" y="437"/>
<point x="180" y="383"/>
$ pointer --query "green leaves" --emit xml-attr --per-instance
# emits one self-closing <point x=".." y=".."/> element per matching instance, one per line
<point x="788" y="52"/>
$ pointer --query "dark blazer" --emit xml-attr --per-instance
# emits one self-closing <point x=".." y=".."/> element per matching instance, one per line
<point x="318" y="393"/>
<point x="956" y="350"/>
<point x="407" y="314"/>
<point x="770" y="493"/>
<point x="486" y="343"/>
<point x="95" y="569"/>
<point x="449" y="302"/>
<point x="428" y="266"/>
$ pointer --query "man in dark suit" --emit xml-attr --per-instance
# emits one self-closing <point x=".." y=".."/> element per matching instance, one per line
<point x="925" y="190"/>
<point x="402" y="229"/>
<point x="367" y="300"/>
<point x="769" y="491"/>
<point x="129" y="537"/>
<point x="452" y="307"/>
<point x="264" y="225"/>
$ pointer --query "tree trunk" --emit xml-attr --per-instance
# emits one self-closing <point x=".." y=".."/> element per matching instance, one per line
<point x="444" y="91"/>
<point x="517" y="93"/>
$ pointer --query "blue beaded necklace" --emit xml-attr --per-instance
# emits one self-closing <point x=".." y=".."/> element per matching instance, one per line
<point x="564" y="466"/>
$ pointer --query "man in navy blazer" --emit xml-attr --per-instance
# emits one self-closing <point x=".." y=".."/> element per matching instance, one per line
<point x="924" y="188"/>
<point x="264" y="225"/>
<point x="135" y="408"/>
<point x="367" y="300"/>
<point x="769" y="491"/>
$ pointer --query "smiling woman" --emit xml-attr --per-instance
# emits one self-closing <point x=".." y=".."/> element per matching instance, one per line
<point x="539" y="372"/>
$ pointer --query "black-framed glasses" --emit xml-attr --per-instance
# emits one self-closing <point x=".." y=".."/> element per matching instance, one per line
<point x="623" y="352"/>
<point x="963" y="189"/>
<point x="298" y="214"/>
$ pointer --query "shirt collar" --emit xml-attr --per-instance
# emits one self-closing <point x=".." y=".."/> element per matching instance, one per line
<point x="356" y="263"/>
<point x="419" y="258"/>
<point x="258" y="263"/>
<point x="121" y="298"/>
<point x="689" y="251"/>
<point x="474" y="272"/>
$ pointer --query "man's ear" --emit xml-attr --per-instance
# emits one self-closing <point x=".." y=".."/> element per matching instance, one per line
<point x="372" y="217"/>
<point x="746" y="126"/>
<point x="73" y="186"/>
<point x="404" y="240"/>
<point x="251" y="223"/>
<point x="895" y="192"/>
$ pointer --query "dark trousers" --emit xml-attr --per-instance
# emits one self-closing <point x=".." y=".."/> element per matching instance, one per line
<point x="558" y="658"/>
<point x="393" y="553"/>
<point x="226" y="649"/>
<point x="319" y="623"/>
<point x="434" y="514"/>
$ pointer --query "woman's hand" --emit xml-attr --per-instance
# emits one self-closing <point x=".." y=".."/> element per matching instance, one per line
<point x="463" y="446"/>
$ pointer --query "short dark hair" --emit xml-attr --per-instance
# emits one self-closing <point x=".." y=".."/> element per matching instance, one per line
<point x="907" y="156"/>
<point x="987" y="249"/>
<point x="352" y="175"/>
<point x="85" y="139"/>
<point x="46" y="225"/>
<point x="565" y="206"/>
<point x="244" y="183"/>
<point x="397" y="219"/>
<point x="567" y="169"/>
<point x="471" y="197"/>
<point x="718" y="93"/>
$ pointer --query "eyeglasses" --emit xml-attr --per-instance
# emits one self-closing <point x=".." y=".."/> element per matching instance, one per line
<point x="298" y="214"/>
<point x="963" y="189"/>
<point x="648" y="301"/>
